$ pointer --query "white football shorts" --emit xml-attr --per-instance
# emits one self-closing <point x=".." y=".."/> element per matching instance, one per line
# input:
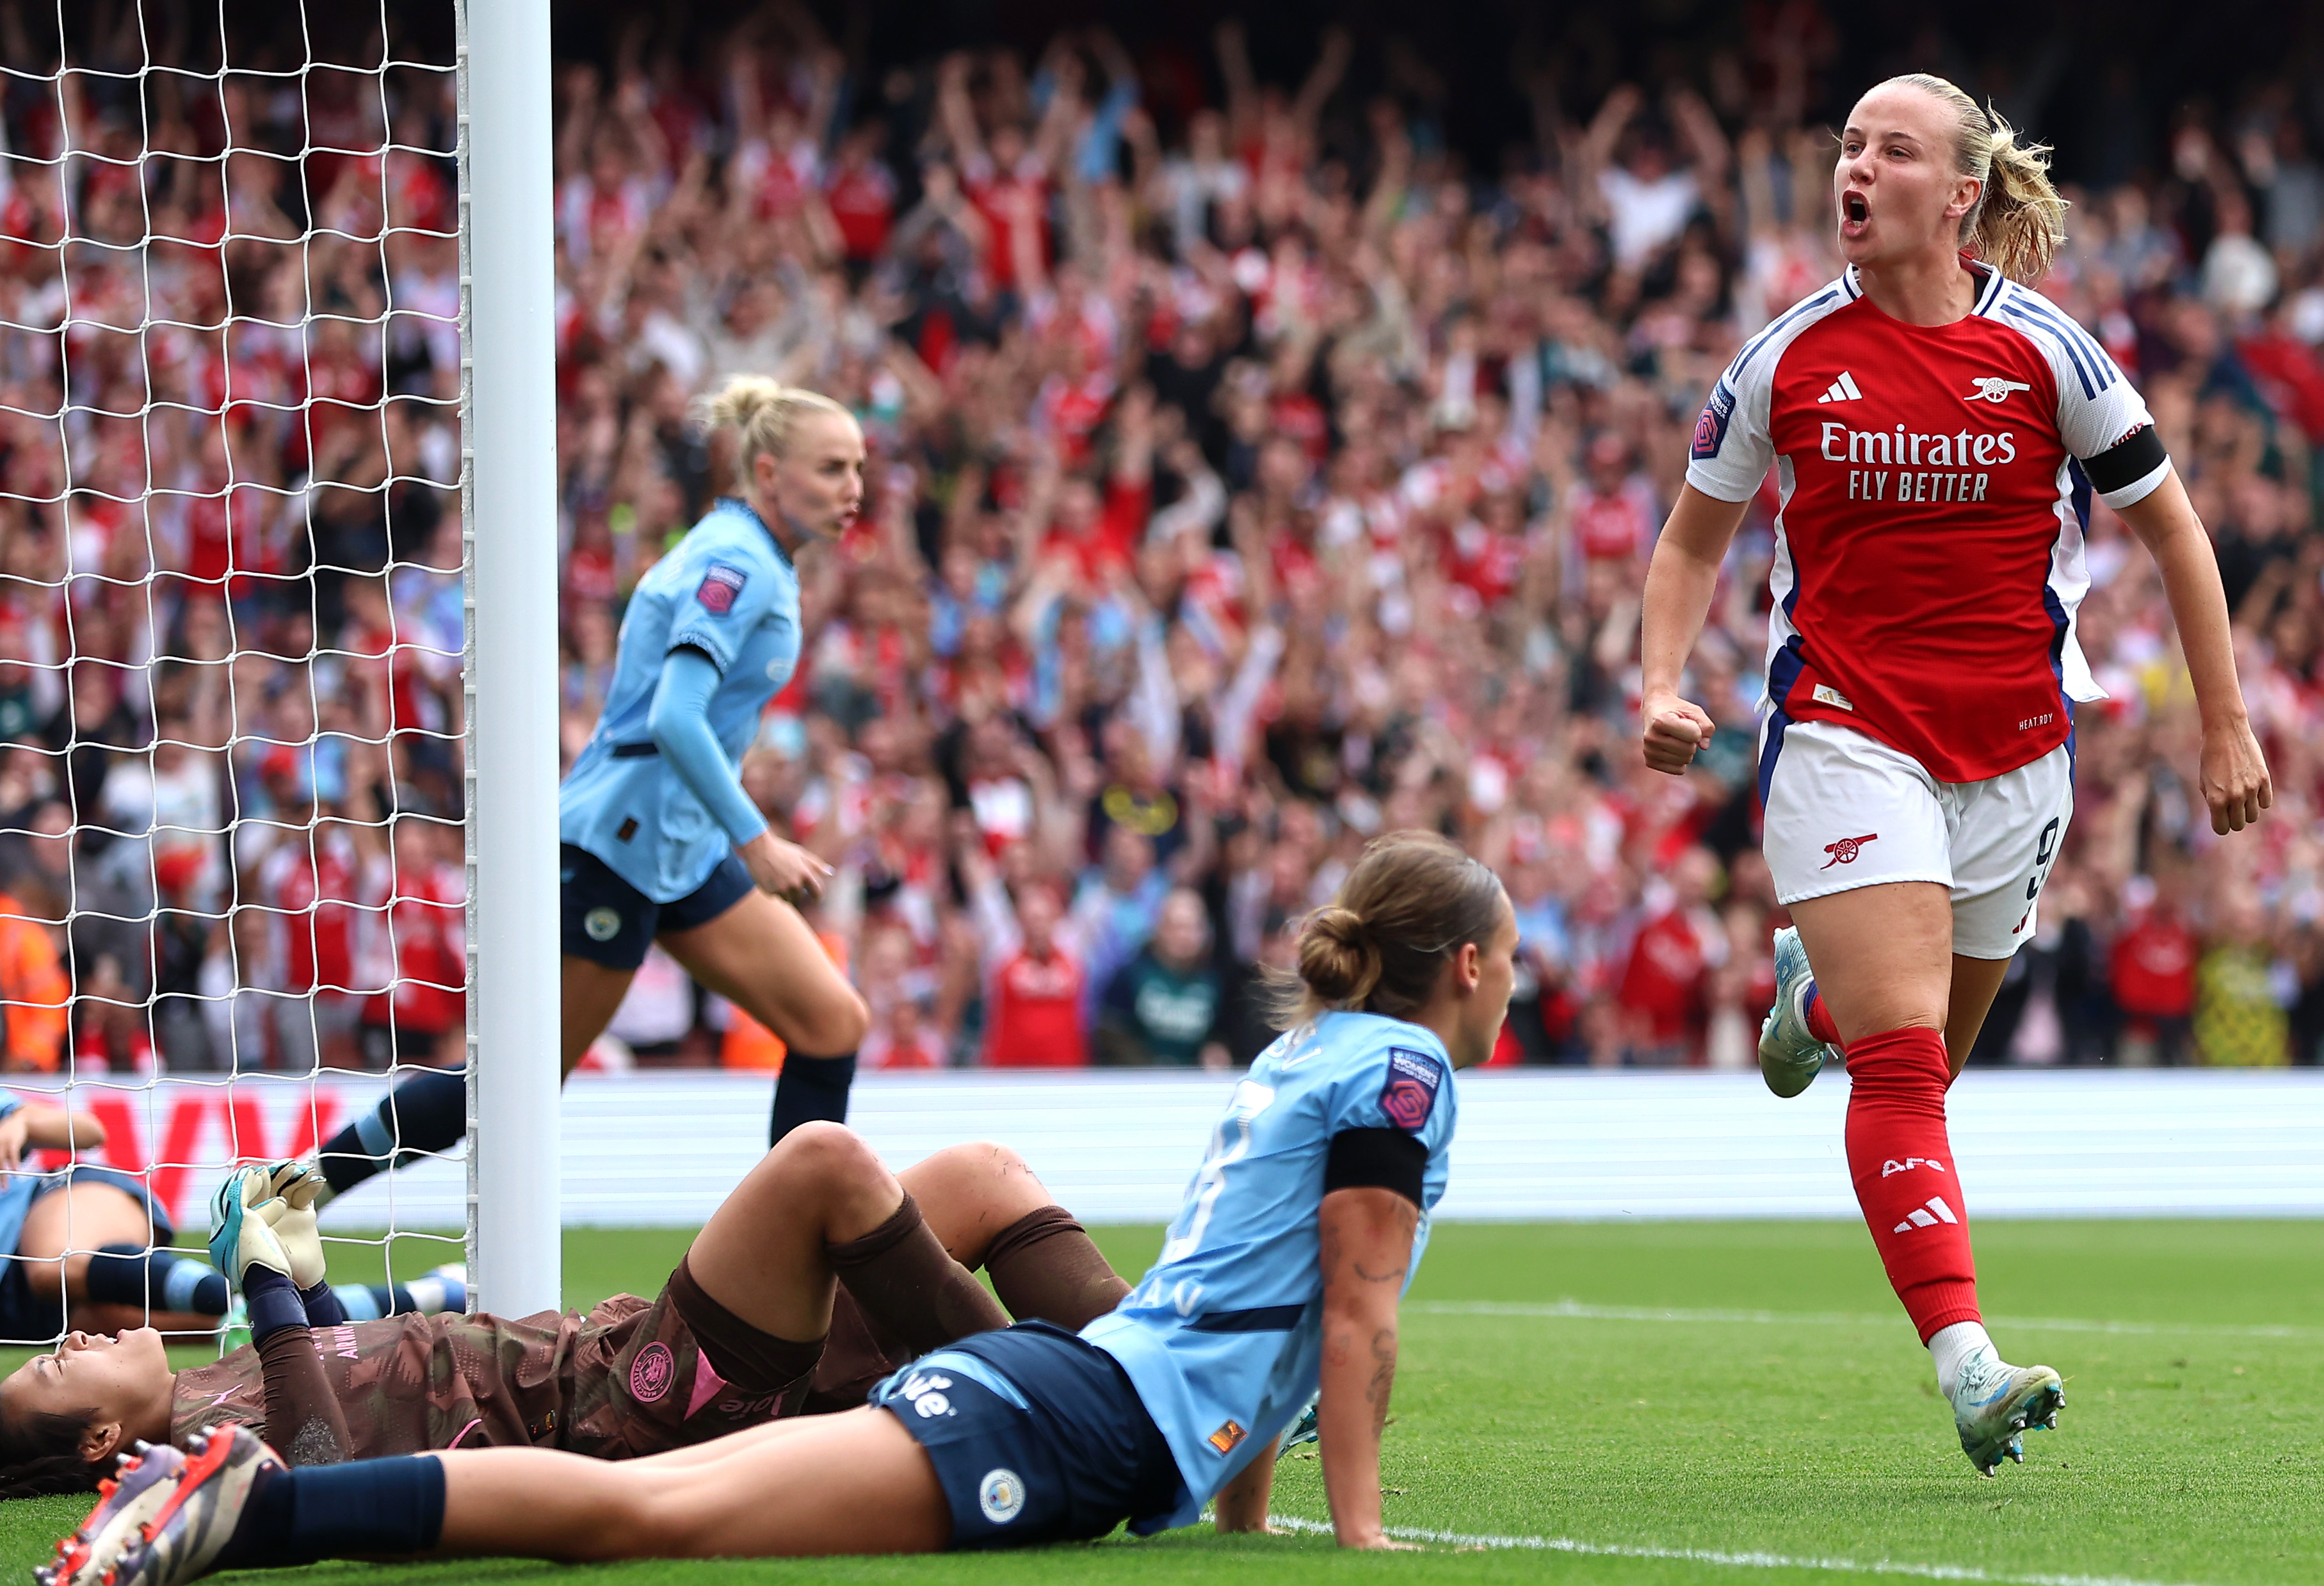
<point x="1845" y="811"/>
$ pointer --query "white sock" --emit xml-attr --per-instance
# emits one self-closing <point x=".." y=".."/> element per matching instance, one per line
<point x="1951" y="1347"/>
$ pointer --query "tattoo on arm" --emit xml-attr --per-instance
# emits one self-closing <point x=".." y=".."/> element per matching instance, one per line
<point x="1395" y="1266"/>
<point x="1383" y="1382"/>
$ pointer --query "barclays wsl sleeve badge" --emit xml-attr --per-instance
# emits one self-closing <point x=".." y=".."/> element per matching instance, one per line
<point x="1409" y="1097"/>
<point x="720" y="586"/>
<point x="1710" y="429"/>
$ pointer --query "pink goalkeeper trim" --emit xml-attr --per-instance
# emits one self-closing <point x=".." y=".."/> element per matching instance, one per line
<point x="471" y="1426"/>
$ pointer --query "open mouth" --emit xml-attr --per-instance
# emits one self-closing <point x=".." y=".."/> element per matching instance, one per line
<point x="1854" y="210"/>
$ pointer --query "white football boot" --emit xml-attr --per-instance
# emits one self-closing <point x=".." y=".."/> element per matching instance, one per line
<point x="1789" y="1056"/>
<point x="1994" y="1402"/>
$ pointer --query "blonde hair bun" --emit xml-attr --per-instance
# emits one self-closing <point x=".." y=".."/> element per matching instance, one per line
<point x="761" y="413"/>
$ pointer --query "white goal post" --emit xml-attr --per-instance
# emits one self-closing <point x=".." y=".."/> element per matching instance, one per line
<point x="509" y="510"/>
<point x="275" y="282"/>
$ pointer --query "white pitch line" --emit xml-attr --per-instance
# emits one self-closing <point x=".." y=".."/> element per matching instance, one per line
<point x="1575" y="1310"/>
<point x="1708" y="1555"/>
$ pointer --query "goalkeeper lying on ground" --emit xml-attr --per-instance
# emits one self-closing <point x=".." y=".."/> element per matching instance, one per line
<point x="752" y="1325"/>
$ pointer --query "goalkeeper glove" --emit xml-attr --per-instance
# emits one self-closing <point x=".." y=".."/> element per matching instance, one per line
<point x="241" y="1237"/>
<point x="291" y="1213"/>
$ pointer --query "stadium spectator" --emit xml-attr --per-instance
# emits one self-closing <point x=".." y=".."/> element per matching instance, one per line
<point x="1163" y="1006"/>
<point x="36" y="992"/>
<point x="2238" y="1021"/>
<point x="1114" y="911"/>
<point x="1033" y="1019"/>
<point x="1248" y="475"/>
<point x="2154" y="962"/>
<point x="1664" y="990"/>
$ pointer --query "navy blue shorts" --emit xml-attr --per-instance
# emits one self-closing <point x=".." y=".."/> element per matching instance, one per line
<point x="1036" y="1436"/>
<point x="25" y="1317"/>
<point x="610" y="922"/>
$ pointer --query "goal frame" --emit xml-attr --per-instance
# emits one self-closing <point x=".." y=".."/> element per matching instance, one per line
<point x="508" y="505"/>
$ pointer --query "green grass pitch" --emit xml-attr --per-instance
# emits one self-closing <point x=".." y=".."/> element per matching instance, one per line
<point x="1670" y="1392"/>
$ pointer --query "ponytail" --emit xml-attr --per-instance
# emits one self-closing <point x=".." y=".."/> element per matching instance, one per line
<point x="761" y="414"/>
<point x="1412" y="900"/>
<point x="1339" y="962"/>
<point x="2018" y="222"/>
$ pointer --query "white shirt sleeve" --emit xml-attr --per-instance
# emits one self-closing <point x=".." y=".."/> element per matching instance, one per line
<point x="2098" y="407"/>
<point x="1732" y="449"/>
<point x="2090" y="424"/>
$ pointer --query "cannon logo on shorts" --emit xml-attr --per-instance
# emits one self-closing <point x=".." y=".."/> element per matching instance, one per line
<point x="602" y="924"/>
<point x="1229" y="1434"/>
<point x="1845" y="851"/>
<point x="651" y="1373"/>
<point x="1000" y="1495"/>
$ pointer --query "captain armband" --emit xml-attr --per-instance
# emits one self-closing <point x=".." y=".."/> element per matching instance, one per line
<point x="1376" y="1158"/>
<point x="2127" y="470"/>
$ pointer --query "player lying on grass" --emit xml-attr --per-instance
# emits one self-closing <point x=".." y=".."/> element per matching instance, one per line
<point x="94" y="1238"/>
<point x="748" y="1329"/>
<point x="1282" y="1273"/>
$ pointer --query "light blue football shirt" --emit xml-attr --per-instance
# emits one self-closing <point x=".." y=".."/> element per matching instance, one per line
<point x="1224" y="1338"/>
<point x="727" y="590"/>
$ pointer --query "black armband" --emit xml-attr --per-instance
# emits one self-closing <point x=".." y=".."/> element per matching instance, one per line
<point x="2127" y="461"/>
<point x="1376" y="1158"/>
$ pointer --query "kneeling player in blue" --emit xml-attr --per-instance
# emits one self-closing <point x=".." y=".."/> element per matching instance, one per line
<point x="1281" y="1275"/>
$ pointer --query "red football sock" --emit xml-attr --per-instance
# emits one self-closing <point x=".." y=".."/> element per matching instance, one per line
<point x="1819" y="1024"/>
<point x="1903" y="1166"/>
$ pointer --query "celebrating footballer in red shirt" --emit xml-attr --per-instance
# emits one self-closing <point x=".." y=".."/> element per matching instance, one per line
<point x="1937" y="430"/>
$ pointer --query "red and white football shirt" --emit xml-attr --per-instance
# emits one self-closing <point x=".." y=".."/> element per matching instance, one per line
<point x="311" y="887"/>
<point x="1929" y="549"/>
<point x="1036" y="1019"/>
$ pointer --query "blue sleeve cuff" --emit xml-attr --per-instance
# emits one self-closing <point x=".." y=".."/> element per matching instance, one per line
<point x="322" y="1305"/>
<point x="712" y="642"/>
<point x="273" y="1303"/>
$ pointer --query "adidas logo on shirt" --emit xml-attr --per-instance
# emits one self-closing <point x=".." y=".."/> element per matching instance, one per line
<point x="1927" y="1215"/>
<point x="1843" y="390"/>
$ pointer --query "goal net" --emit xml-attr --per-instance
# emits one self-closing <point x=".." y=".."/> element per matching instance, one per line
<point x="233" y="873"/>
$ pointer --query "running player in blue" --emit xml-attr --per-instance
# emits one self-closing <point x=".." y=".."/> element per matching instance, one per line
<point x="1281" y="1275"/>
<point x="660" y="842"/>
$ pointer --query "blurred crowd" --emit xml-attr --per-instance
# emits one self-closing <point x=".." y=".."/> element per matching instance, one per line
<point x="1250" y="473"/>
